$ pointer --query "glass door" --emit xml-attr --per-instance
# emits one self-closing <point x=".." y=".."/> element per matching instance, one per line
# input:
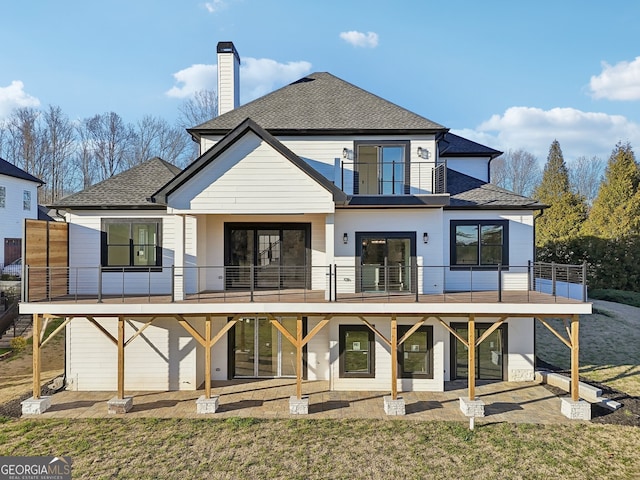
<point x="489" y="354"/>
<point x="268" y="259"/>
<point x="385" y="262"/>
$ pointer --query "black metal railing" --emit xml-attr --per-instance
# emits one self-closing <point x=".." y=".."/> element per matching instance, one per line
<point x="330" y="283"/>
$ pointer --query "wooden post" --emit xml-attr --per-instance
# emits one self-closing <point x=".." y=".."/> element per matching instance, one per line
<point x="394" y="358"/>
<point x="37" y="326"/>
<point x="472" y="356"/>
<point x="121" y="358"/>
<point x="299" y="358"/>
<point x="575" y="362"/>
<point x="207" y="358"/>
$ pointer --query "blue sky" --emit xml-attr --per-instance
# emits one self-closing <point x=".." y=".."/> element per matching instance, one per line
<point x="507" y="74"/>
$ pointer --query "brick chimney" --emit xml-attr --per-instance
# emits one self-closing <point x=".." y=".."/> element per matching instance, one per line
<point x="228" y="77"/>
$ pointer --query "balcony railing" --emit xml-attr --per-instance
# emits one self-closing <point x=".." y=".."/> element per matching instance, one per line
<point x="331" y="283"/>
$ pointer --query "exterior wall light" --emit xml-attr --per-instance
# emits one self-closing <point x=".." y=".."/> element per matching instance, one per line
<point x="423" y="152"/>
<point x="425" y="237"/>
<point x="346" y="153"/>
<point x="345" y="238"/>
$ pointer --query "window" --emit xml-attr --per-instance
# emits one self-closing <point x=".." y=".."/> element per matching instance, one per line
<point x="382" y="168"/>
<point x="3" y="196"/>
<point x="131" y="243"/>
<point x="416" y="352"/>
<point x="483" y="243"/>
<point x="357" y="351"/>
<point x="26" y="200"/>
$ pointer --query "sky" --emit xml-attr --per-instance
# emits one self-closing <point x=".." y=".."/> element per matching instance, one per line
<point x="508" y="74"/>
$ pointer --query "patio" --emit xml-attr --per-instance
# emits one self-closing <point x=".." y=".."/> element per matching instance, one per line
<point x="513" y="402"/>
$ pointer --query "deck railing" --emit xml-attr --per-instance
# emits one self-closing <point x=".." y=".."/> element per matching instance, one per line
<point x="330" y="283"/>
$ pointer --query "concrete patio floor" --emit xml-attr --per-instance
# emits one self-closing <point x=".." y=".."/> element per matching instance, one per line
<point x="513" y="402"/>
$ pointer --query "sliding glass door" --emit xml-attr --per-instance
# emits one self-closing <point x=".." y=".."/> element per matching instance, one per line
<point x="490" y="354"/>
<point x="385" y="261"/>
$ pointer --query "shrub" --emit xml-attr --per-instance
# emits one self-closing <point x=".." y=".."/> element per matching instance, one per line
<point x="18" y="344"/>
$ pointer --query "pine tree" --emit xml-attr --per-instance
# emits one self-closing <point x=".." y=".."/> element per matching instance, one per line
<point x="616" y="209"/>
<point x="567" y="210"/>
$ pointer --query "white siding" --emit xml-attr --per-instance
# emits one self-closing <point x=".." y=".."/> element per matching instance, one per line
<point x="252" y="178"/>
<point x="476" y="167"/>
<point x="163" y="357"/>
<point x="85" y="251"/>
<point x="12" y="216"/>
<point x="228" y="82"/>
<point x="520" y="252"/>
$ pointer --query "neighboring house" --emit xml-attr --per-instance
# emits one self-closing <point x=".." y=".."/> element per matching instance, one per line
<point x="18" y="201"/>
<point x="323" y="233"/>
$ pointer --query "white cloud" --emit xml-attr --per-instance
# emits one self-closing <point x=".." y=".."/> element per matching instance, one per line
<point x="533" y="129"/>
<point x="360" y="39"/>
<point x="14" y="96"/>
<point x="258" y="76"/>
<point x="214" y="6"/>
<point x="617" y="82"/>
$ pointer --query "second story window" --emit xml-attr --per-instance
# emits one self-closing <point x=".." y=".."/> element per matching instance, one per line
<point x="3" y="196"/>
<point x="26" y="200"/>
<point x="131" y="243"/>
<point x="381" y="168"/>
<point x="479" y="243"/>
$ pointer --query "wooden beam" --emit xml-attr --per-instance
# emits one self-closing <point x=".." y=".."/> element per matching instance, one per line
<point x="490" y="330"/>
<point x="284" y="331"/>
<point x="373" y="329"/>
<point x="411" y="331"/>
<point x="566" y="327"/>
<point x="121" y="358"/>
<point x="315" y="330"/>
<point x="551" y="329"/>
<point x="37" y="363"/>
<point x="394" y="358"/>
<point x="223" y="330"/>
<point x="471" y="369"/>
<point x="207" y="357"/>
<point x="464" y="341"/>
<point x="299" y="357"/>
<point x="575" y="358"/>
<point x="103" y="330"/>
<point x="194" y="333"/>
<point x="139" y="331"/>
<point x="43" y="330"/>
<point x="56" y="331"/>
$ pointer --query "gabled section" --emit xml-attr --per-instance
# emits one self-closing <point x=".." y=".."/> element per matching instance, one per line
<point x="250" y="171"/>
<point x="129" y="189"/>
<point x="452" y="145"/>
<point x="10" y="170"/>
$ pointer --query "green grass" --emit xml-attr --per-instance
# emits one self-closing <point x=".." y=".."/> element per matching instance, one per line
<point x="319" y="449"/>
<point x="618" y="296"/>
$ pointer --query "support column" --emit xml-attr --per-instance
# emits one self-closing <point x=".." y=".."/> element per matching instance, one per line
<point x="394" y="405"/>
<point x="329" y="242"/>
<point x="573" y="407"/>
<point x="471" y="406"/>
<point x="299" y="405"/>
<point x="36" y="404"/>
<point x="120" y="403"/>
<point x="207" y="358"/>
<point x="178" y="259"/>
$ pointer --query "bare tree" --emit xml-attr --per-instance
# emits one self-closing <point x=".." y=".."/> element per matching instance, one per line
<point x="203" y="106"/>
<point x="111" y="141"/>
<point x="585" y="175"/>
<point x="85" y="160"/>
<point x="60" y="146"/>
<point x="156" y="138"/>
<point x="516" y="170"/>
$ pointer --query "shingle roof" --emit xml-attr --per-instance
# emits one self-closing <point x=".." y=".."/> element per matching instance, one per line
<point x="10" y="170"/>
<point x="470" y="192"/>
<point x="321" y="102"/>
<point x="452" y="145"/>
<point x="131" y="188"/>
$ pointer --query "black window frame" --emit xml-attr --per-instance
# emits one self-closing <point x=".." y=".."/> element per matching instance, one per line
<point x="371" y="355"/>
<point x="104" y="254"/>
<point x="406" y="144"/>
<point x="402" y="330"/>
<point x="453" y="265"/>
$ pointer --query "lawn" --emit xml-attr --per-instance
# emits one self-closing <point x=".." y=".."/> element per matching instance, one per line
<point x="318" y="449"/>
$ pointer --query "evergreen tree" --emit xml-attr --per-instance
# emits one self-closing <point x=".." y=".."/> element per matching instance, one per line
<point x="616" y="209"/>
<point x="567" y="210"/>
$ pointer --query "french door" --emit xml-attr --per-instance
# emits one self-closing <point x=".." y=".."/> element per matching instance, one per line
<point x="385" y="261"/>
<point x="490" y="354"/>
<point x="260" y="351"/>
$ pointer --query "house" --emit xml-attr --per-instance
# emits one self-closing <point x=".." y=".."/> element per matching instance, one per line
<point x="323" y="234"/>
<point x="18" y="201"/>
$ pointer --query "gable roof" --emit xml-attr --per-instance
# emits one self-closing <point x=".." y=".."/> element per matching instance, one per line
<point x="129" y="189"/>
<point x="452" y="145"/>
<point x="470" y="192"/>
<point x="10" y="170"/>
<point x="321" y="103"/>
<point x="228" y="141"/>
